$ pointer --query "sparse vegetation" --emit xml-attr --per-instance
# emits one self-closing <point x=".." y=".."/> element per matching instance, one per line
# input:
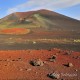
<point x="77" y="40"/>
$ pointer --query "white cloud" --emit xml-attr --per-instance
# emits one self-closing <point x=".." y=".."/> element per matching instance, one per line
<point x="43" y="4"/>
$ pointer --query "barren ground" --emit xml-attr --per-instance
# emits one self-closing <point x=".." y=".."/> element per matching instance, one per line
<point x="15" y="64"/>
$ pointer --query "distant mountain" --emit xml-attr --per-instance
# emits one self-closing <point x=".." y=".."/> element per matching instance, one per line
<point x="40" y="19"/>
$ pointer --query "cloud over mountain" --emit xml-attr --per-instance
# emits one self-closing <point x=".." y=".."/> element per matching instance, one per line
<point x="43" y="4"/>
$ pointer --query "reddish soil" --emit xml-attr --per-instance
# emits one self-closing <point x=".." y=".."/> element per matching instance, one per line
<point x="24" y="14"/>
<point x="30" y="13"/>
<point x="15" y="31"/>
<point x="15" y="64"/>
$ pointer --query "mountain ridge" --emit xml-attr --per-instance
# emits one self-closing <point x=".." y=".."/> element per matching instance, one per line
<point x="41" y="18"/>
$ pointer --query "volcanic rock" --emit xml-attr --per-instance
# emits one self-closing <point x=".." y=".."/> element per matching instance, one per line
<point x="54" y="75"/>
<point x="68" y="53"/>
<point x="70" y="65"/>
<point x="53" y="58"/>
<point x="37" y="62"/>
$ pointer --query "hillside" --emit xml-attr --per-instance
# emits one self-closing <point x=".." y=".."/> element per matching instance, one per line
<point x="39" y="45"/>
<point x="41" y="29"/>
<point x="39" y="19"/>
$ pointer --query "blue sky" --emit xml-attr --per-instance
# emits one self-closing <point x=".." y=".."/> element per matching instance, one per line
<point x="73" y="11"/>
<point x="69" y="8"/>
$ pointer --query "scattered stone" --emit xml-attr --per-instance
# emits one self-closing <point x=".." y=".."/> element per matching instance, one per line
<point x="19" y="58"/>
<point x="34" y="42"/>
<point x="37" y="62"/>
<point x="54" y="75"/>
<point x="76" y="70"/>
<point x="13" y="60"/>
<point x="70" y="65"/>
<point x="53" y="58"/>
<point x="44" y="62"/>
<point x="68" y="53"/>
<point x="28" y="69"/>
